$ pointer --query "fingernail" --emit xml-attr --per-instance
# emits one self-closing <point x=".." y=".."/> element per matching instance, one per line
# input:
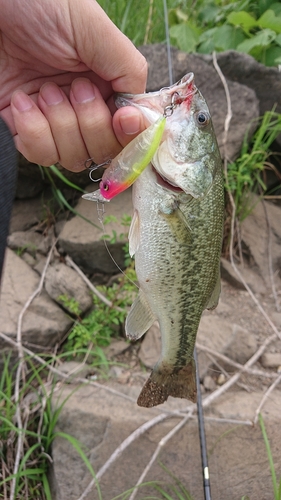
<point x="83" y="91"/>
<point x="130" y="124"/>
<point x="21" y="101"/>
<point x="51" y="94"/>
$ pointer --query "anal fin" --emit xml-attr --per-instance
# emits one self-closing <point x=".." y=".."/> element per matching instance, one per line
<point x="140" y="317"/>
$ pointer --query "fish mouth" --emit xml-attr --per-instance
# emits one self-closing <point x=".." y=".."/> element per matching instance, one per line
<point x="165" y="183"/>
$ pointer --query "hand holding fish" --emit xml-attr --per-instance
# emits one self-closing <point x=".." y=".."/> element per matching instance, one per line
<point x="55" y="116"/>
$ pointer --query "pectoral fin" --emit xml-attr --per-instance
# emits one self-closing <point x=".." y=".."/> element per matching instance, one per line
<point x="134" y="234"/>
<point x="140" y="318"/>
<point x="179" y="226"/>
<point x="214" y="299"/>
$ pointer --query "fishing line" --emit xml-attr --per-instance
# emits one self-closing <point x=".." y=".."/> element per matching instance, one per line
<point x="101" y="212"/>
<point x="200" y="414"/>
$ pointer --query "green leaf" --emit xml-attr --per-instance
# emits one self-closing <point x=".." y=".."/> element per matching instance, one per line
<point x="185" y="37"/>
<point x="206" y="41"/>
<point x="209" y="14"/>
<point x="278" y="40"/>
<point x="227" y="37"/>
<point x="242" y="19"/>
<point x="270" y="20"/>
<point x="177" y="16"/>
<point x="263" y="38"/>
<point x="272" y="56"/>
<point x="276" y="7"/>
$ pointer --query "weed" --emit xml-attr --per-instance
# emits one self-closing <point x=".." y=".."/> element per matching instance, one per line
<point x="70" y="304"/>
<point x="103" y="322"/>
<point x="39" y="430"/>
<point x="247" y="174"/>
<point x="58" y="194"/>
<point x="276" y="486"/>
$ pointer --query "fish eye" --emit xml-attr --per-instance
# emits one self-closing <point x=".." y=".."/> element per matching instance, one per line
<point x="202" y="118"/>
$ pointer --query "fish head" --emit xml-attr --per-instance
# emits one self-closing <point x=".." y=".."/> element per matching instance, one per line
<point x="188" y="156"/>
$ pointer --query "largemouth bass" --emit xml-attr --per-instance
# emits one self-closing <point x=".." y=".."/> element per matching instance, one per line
<point x="176" y="235"/>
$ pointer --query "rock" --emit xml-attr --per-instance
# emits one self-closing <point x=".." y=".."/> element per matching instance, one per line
<point x="101" y="421"/>
<point x="74" y="369"/>
<point x="214" y="332"/>
<point x="209" y="383"/>
<point x="221" y="379"/>
<point x="83" y="241"/>
<point x="25" y="215"/>
<point x="30" y="181"/>
<point x="276" y="318"/>
<point x="150" y="349"/>
<point x="255" y="237"/>
<point x="62" y="280"/>
<point x="25" y="241"/>
<point x="44" y="323"/>
<point x="244" y="69"/>
<point x="242" y="345"/>
<point x="252" y="279"/>
<point x="115" y="348"/>
<point x="244" y="103"/>
<point x="271" y="360"/>
<point x="29" y="259"/>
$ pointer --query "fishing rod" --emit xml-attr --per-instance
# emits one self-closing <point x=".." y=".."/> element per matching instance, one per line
<point x="200" y="414"/>
<point x="202" y="435"/>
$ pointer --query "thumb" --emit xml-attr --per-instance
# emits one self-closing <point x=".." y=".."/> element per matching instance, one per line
<point x="105" y="49"/>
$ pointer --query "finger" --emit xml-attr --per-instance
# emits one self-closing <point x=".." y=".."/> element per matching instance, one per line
<point x="33" y="136"/>
<point x="64" y="127"/>
<point x="128" y="122"/>
<point x="95" y="120"/>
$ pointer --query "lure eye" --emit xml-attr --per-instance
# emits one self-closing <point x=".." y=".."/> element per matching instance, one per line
<point x="105" y="186"/>
<point x="202" y="118"/>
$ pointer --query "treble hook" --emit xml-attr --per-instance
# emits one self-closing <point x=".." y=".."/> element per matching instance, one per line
<point x="92" y="166"/>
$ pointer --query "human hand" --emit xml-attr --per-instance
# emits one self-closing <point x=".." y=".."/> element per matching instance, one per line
<point x="55" y="116"/>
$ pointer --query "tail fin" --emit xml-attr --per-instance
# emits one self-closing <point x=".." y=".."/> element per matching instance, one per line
<point x="166" y="380"/>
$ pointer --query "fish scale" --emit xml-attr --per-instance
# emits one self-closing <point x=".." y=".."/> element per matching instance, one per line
<point x="176" y="237"/>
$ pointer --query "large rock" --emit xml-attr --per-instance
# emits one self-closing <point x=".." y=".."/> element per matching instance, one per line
<point x="44" y="323"/>
<point x="84" y="242"/>
<point x="62" y="280"/>
<point x="261" y="236"/>
<point x="102" y="420"/>
<point x="243" y="68"/>
<point x="244" y="103"/>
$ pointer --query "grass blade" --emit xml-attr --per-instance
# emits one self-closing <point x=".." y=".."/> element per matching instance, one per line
<point x="57" y="172"/>
<point x="270" y="459"/>
<point x="77" y="446"/>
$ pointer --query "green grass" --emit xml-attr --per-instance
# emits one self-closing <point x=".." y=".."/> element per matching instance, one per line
<point x="104" y="322"/>
<point x="247" y="174"/>
<point x="39" y="420"/>
<point x="275" y="483"/>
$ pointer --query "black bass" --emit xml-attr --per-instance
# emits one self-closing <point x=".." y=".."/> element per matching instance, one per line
<point x="176" y="235"/>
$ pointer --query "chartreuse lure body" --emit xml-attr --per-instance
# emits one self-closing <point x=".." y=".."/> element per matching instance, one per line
<point x="126" y="167"/>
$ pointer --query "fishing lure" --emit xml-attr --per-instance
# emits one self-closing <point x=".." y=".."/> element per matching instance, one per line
<point x="126" y="167"/>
